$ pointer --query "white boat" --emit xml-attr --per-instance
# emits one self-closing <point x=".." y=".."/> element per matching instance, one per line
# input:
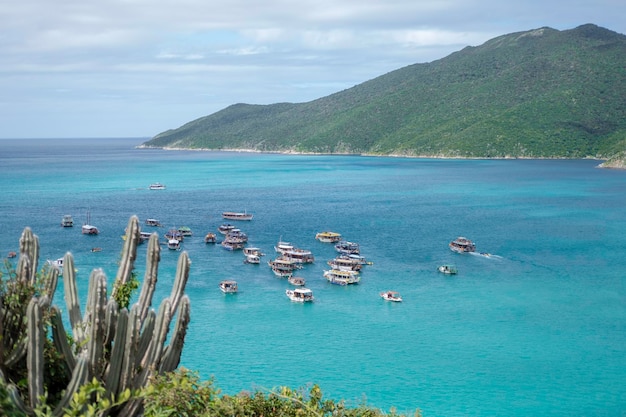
<point x="348" y="248"/>
<point x="328" y="237"/>
<point x="232" y="245"/>
<point x="289" y="251"/>
<point x="252" y="259"/>
<point x="337" y="277"/>
<point x="174" y="234"/>
<point x="67" y="221"/>
<point x="153" y="222"/>
<point x="391" y="296"/>
<point x="144" y="236"/>
<point x="232" y="215"/>
<point x="173" y="244"/>
<point x="345" y="263"/>
<point x="185" y="231"/>
<point x="229" y="286"/>
<point x="300" y="295"/>
<point x="447" y="269"/>
<point x="157" y="186"/>
<point x="236" y="235"/>
<point x="297" y="281"/>
<point x="462" y="245"/>
<point x="253" y="251"/>
<point x="89" y="229"/>
<point x="58" y="264"/>
<point x="225" y="228"/>
<point x="283" y="267"/>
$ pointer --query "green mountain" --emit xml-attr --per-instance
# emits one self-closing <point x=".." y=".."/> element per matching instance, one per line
<point x="542" y="93"/>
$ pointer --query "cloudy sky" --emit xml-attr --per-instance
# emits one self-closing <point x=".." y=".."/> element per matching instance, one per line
<point x="134" y="68"/>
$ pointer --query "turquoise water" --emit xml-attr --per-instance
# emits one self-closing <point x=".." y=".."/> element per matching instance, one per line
<point x="539" y="328"/>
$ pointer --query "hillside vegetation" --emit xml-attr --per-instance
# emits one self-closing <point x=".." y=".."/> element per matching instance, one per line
<point x="542" y="93"/>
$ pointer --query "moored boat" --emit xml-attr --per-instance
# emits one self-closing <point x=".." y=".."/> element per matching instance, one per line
<point x="328" y="237"/>
<point x="283" y="267"/>
<point x="229" y="286"/>
<point x="58" y="264"/>
<point x="89" y="229"/>
<point x="345" y="263"/>
<point x="232" y="215"/>
<point x="185" y="231"/>
<point x="210" y="238"/>
<point x="289" y="251"/>
<point x="232" y="244"/>
<point x="337" y="277"/>
<point x="144" y="236"/>
<point x="297" y="281"/>
<point x="391" y="296"/>
<point x="348" y="248"/>
<point x="253" y="251"/>
<point x="153" y="222"/>
<point x="174" y="234"/>
<point x="252" y="259"/>
<point x="225" y="228"/>
<point x="462" y="245"/>
<point x="173" y="244"/>
<point x="300" y="295"/>
<point x="67" y="221"/>
<point x="447" y="269"/>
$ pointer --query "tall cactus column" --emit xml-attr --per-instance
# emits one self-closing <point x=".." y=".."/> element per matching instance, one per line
<point x="121" y="348"/>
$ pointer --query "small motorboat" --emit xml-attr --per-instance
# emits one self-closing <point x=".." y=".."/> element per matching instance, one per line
<point x="157" y="186"/>
<point x="328" y="237"/>
<point x="297" y="281"/>
<point x="173" y="244"/>
<point x="96" y="249"/>
<point x="210" y="238"/>
<point x="447" y="269"/>
<point x="228" y="286"/>
<point x="252" y="259"/>
<point x="300" y="295"/>
<point x="391" y="296"/>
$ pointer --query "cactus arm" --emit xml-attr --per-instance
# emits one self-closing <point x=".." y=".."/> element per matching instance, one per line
<point x="115" y="365"/>
<point x="80" y="376"/>
<point x="129" y="254"/>
<point x="29" y="248"/>
<point x="130" y="349"/>
<point x="97" y="310"/>
<point x="146" y="336"/>
<point x="34" y="357"/>
<point x="180" y="281"/>
<point x="52" y="279"/>
<point x="71" y="298"/>
<point x="59" y="337"/>
<point x="111" y="320"/>
<point x="171" y="357"/>
<point x="151" y="275"/>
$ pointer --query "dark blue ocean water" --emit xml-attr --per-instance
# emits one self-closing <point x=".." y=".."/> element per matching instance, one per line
<point x="537" y="329"/>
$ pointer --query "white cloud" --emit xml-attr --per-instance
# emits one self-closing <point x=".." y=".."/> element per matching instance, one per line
<point x="142" y="55"/>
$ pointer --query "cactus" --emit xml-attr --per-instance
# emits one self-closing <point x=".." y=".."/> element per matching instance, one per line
<point x="120" y="348"/>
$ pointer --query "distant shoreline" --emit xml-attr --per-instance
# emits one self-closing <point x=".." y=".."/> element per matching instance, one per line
<point x="619" y="164"/>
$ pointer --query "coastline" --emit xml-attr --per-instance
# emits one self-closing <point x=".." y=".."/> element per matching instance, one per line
<point x="603" y="163"/>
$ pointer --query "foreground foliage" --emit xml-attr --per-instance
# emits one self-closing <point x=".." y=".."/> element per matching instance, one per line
<point x="112" y="351"/>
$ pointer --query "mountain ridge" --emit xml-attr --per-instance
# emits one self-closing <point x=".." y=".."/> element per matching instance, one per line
<point x="541" y="93"/>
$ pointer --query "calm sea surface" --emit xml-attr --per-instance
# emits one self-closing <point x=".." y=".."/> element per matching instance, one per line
<point x="538" y="328"/>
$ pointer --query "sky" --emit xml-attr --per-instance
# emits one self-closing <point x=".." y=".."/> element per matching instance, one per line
<point x="135" y="68"/>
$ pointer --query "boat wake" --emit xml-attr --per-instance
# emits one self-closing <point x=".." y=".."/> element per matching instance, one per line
<point x="486" y="255"/>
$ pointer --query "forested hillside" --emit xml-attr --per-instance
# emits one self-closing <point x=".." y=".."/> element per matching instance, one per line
<point x="539" y="93"/>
